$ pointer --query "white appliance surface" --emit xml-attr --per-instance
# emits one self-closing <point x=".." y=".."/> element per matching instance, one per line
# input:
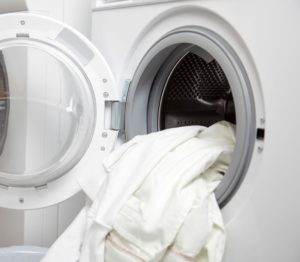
<point x="263" y="217"/>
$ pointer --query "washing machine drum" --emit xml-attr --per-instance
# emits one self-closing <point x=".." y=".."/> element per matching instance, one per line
<point x="53" y="87"/>
<point x="197" y="92"/>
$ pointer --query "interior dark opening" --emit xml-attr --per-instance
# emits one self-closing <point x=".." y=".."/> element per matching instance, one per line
<point x="197" y="92"/>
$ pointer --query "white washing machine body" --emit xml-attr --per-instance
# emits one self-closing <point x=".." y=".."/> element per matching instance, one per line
<point x="261" y="41"/>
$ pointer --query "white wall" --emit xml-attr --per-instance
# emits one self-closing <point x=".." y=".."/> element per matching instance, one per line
<point x="76" y="13"/>
<point x="11" y="227"/>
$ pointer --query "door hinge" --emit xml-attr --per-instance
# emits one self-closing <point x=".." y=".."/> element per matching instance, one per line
<point x="118" y="109"/>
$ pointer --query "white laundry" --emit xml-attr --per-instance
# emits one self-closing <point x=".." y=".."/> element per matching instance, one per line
<point x="157" y="203"/>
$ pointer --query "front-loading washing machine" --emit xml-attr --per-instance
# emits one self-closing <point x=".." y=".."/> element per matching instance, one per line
<point x="157" y="65"/>
<point x="198" y="62"/>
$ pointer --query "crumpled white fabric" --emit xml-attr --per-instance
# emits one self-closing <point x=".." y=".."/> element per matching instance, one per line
<point x="157" y="202"/>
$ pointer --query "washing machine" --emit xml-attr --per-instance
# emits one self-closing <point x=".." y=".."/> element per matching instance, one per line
<point x="154" y="65"/>
<point x="198" y="62"/>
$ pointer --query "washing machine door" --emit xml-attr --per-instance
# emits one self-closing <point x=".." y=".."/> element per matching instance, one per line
<point x="54" y="85"/>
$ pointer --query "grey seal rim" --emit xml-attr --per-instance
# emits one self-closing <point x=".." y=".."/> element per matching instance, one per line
<point x="139" y="108"/>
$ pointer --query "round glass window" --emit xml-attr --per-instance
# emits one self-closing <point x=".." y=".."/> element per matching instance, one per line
<point x="47" y="113"/>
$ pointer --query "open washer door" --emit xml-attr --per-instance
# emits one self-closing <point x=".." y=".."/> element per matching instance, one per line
<point x="55" y="86"/>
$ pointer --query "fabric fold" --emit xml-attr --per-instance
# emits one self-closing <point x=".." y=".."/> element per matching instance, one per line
<point x="158" y="191"/>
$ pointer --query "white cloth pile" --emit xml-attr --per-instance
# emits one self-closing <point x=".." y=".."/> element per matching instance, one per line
<point x="157" y="201"/>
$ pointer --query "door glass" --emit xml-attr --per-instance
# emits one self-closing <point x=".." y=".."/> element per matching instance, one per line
<point x="4" y="103"/>
<point x="46" y="112"/>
